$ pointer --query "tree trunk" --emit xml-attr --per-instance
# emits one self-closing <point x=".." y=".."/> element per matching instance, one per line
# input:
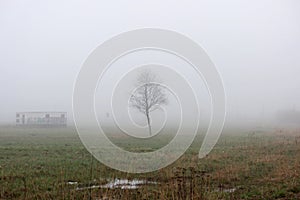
<point x="147" y="109"/>
<point x="149" y="124"/>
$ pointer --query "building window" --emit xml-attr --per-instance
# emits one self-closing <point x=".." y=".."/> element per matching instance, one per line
<point x="18" y="115"/>
<point x="62" y="115"/>
<point x="47" y="116"/>
<point x="17" y="120"/>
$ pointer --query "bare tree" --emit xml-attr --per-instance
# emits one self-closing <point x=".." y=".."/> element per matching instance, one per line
<point x="148" y="96"/>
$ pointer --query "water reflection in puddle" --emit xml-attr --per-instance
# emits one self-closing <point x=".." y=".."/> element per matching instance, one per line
<point x="123" y="184"/>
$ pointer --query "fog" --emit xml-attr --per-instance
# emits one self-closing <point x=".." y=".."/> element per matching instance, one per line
<point x="255" y="46"/>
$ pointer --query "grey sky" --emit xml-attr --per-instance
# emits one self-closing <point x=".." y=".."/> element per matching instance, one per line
<point x="254" y="44"/>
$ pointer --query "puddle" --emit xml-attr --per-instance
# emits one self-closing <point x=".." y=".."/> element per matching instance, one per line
<point x="230" y="190"/>
<point x="123" y="184"/>
<point x="126" y="184"/>
<point x="72" y="183"/>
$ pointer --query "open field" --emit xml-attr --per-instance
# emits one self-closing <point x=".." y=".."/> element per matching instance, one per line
<point x="53" y="164"/>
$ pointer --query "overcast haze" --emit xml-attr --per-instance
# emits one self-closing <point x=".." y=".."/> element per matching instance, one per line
<point x="254" y="44"/>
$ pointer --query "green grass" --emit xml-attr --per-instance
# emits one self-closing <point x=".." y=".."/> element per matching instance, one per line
<point x="37" y="163"/>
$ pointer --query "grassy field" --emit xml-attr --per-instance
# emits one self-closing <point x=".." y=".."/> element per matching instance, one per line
<point x="53" y="164"/>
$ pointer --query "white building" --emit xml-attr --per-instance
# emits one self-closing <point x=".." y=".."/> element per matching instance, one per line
<point x="41" y="119"/>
